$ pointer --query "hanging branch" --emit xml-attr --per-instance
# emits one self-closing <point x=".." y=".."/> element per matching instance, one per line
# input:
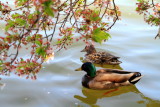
<point x="116" y="18"/>
<point x="150" y="11"/>
<point x="158" y="35"/>
<point x="26" y="23"/>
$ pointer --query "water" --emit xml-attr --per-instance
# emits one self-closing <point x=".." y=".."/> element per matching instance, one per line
<point x="58" y="85"/>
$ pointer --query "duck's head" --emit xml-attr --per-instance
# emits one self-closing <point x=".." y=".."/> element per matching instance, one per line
<point x="89" y="49"/>
<point x="89" y="68"/>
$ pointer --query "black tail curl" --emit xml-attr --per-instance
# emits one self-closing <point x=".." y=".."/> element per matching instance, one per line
<point x="135" y="78"/>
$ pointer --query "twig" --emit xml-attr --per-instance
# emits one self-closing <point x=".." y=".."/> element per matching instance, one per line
<point x="158" y="35"/>
<point x="116" y="16"/>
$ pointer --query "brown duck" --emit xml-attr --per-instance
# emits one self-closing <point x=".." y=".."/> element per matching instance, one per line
<point x="107" y="78"/>
<point x="99" y="57"/>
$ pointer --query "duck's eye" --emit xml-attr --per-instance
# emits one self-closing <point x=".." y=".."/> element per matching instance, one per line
<point x="114" y="59"/>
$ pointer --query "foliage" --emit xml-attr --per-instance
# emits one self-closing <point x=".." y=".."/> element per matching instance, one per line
<point x="33" y="23"/>
<point x="99" y="35"/>
<point x="150" y="9"/>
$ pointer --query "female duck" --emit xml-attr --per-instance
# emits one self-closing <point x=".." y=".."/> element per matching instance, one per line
<point x="107" y="78"/>
<point x="99" y="57"/>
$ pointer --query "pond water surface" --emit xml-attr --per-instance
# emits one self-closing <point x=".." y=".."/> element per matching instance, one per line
<point x="58" y="85"/>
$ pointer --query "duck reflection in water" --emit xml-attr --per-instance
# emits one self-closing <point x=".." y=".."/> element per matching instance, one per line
<point x="91" y="96"/>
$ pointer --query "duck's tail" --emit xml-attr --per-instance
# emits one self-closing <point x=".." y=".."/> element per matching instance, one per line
<point x="135" y="78"/>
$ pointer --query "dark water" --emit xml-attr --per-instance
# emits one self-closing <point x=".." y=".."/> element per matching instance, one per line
<point x="58" y="85"/>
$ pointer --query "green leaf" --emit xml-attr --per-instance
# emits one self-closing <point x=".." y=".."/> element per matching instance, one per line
<point x="41" y="51"/>
<point x="59" y="42"/>
<point x="21" y="2"/>
<point x="1" y="62"/>
<point x="0" y="7"/>
<point x="49" y="11"/>
<point x="99" y="35"/>
<point x="38" y="43"/>
<point x="84" y="27"/>
<point x="47" y="8"/>
<point x="1" y="65"/>
<point x="80" y="2"/>
<point x="20" y="21"/>
<point x="30" y="16"/>
<point x="96" y="31"/>
<point x="140" y="0"/>
<point x="9" y="25"/>
<point x="15" y="15"/>
<point x="95" y="16"/>
<point x="22" y="59"/>
<point x="137" y="8"/>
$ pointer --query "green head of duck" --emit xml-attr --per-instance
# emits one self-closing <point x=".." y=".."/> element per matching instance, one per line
<point x="89" y="68"/>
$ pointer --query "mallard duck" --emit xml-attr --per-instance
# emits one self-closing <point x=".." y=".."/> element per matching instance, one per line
<point x="107" y="78"/>
<point x="99" y="57"/>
